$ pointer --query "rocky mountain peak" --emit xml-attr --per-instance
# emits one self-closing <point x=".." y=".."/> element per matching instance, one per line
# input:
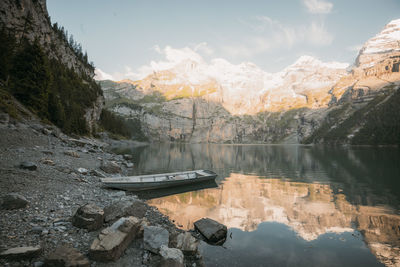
<point x="310" y="63"/>
<point x="386" y="41"/>
<point x="380" y="46"/>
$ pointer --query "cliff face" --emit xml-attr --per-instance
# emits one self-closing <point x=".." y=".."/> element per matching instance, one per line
<point x="29" y="20"/>
<point x="384" y="46"/>
<point x="197" y="120"/>
<point x="364" y="110"/>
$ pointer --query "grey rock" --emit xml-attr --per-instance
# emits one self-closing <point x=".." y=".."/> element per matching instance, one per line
<point x="13" y="201"/>
<point x="47" y="162"/>
<point x="71" y="153"/>
<point x="47" y="152"/>
<point x="64" y="169"/>
<point x="89" y="217"/>
<point x="36" y="126"/>
<point x="37" y="230"/>
<point x="4" y="118"/>
<point x="110" y="167"/>
<point x="56" y="132"/>
<point x="66" y="256"/>
<point x="112" y="241"/>
<point x="21" y="253"/>
<point x="82" y="171"/>
<point x="213" y="231"/>
<point x="27" y="165"/>
<point x="123" y="208"/>
<point x="128" y="164"/>
<point x="20" y="150"/>
<point x="154" y="237"/>
<point x="38" y="264"/>
<point x="118" y="194"/>
<point x="187" y="243"/>
<point x="96" y="173"/>
<point x="171" y="257"/>
<point x="45" y="232"/>
<point x="128" y="157"/>
<point x="46" y="131"/>
<point x="60" y="228"/>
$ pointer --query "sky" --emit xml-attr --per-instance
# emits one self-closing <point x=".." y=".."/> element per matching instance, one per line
<point x="127" y="38"/>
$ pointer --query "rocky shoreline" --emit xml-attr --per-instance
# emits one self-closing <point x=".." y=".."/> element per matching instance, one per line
<point x="54" y="175"/>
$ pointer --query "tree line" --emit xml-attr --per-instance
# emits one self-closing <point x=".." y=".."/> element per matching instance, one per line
<point x="49" y="88"/>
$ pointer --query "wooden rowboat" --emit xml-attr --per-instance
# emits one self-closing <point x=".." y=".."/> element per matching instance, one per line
<point x="155" y="181"/>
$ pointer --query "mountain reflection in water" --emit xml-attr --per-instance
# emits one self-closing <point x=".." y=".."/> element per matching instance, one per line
<point x="320" y="194"/>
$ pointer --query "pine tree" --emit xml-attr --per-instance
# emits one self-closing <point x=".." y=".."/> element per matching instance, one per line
<point x="7" y="44"/>
<point x="30" y="77"/>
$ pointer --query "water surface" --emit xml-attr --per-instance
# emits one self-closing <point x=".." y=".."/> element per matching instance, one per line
<point x="287" y="205"/>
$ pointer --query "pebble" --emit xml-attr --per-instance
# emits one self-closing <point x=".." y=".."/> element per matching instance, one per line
<point x="82" y="171"/>
<point x="38" y="264"/>
<point x="27" y="165"/>
<point x="37" y="230"/>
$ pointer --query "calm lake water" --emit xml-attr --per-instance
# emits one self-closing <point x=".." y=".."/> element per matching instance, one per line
<point x="287" y="205"/>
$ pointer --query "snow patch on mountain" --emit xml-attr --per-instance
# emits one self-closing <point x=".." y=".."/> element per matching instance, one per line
<point x="387" y="40"/>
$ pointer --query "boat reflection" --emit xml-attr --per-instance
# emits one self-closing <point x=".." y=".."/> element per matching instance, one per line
<point x="163" y="192"/>
<point x="310" y="209"/>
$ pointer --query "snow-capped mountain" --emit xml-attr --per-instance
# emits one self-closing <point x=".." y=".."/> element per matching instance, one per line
<point x="245" y="88"/>
<point x="291" y="106"/>
<point x="377" y="48"/>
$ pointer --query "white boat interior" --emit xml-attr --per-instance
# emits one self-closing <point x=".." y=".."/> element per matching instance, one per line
<point x="158" y="177"/>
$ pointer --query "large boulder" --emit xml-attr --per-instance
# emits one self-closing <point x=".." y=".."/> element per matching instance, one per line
<point x="213" y="231"/>
<point x="171" y="257"/>
<point x="125" y="207"/>
<point x="128" y="157"/>
<point x="13" y="201"/>
<point x="187" y="243"/>
<point x="110" y="167"/>
<point x="154" y="237"/>
<point x="21" y="253"/>
<point x="66" y="256"/>
<point x="112" y="241"/>
<point x="89" y="216"/>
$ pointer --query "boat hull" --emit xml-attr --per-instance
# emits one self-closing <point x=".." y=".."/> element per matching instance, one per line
<point x="140" y="186"/>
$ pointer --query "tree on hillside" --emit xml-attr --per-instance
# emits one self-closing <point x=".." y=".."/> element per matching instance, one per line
<point x="30" y="77"/>
<point x="7" y="43"/>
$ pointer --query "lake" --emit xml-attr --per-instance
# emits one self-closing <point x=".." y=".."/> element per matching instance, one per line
<point x="286" y="205"/>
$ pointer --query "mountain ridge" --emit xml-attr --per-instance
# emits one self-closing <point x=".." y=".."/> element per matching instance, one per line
<point x="195" y="99"/>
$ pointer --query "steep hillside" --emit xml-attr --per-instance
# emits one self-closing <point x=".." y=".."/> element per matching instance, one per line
<point x="29" y="19"/>
<point x="45" y="69"/>
<point x="367" y="111"/>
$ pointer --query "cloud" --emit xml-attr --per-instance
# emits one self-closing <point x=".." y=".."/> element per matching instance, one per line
<point x="170" y="58"/>
<point x="318" y="6"/>
<point x="101" y="75"/>
<point x="272" y="34"/>
<point x="204" y="48"/>
<point x="316" y="34"/>
<point x="354" y="48"/>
